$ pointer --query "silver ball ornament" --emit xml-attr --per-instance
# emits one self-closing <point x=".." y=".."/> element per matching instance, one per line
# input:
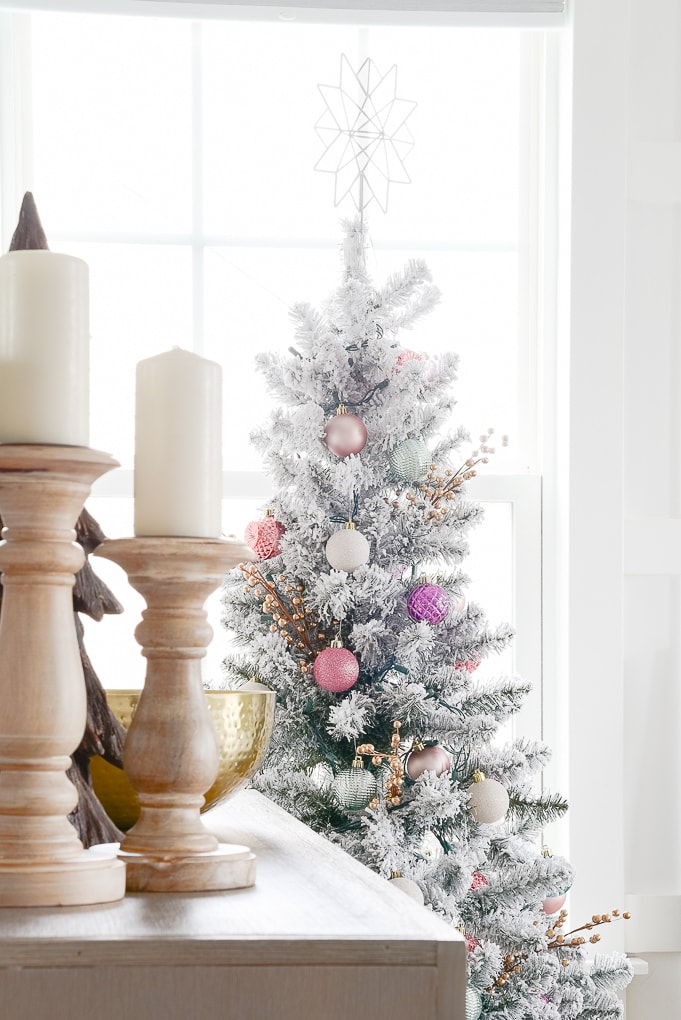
<point x="473" y="1004"/>
<point x="488" y="800"/>
<point x="347" y="550"/>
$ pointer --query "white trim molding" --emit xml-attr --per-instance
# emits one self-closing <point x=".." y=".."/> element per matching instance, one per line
<point x="521" y="13"/>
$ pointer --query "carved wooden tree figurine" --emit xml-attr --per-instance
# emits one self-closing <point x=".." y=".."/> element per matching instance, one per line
<point x="103" y="735"/>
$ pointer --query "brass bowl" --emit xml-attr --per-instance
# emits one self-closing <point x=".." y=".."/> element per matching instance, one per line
<point x="243" y="720"/>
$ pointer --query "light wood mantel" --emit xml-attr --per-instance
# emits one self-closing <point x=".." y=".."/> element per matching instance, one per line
<point x="318" y="935"/>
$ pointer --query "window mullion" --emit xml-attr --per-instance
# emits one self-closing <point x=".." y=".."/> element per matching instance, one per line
<point x="198" y="241"/>
<point x="16" y="129"/>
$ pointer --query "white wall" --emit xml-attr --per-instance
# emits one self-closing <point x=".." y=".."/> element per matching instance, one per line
<point x="623" y="469"/>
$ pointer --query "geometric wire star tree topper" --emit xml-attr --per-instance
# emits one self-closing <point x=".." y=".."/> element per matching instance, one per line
<point x="364" y="131"/>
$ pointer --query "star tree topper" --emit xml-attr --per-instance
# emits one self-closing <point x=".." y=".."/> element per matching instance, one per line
<point x="364" y="131"/>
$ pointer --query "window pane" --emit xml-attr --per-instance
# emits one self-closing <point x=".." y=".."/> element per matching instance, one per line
<point x="260" y="103"/>
<point x="140" y="305"/>
<point x="111" y="123"/>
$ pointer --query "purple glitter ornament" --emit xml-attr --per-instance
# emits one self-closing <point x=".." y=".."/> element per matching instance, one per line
<point x="428" y="602"/>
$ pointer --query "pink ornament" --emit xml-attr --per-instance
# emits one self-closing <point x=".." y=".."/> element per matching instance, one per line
<point x="478" y="880"/>
<point x="552" y="904"/>
<point x="470" y="665"/>
<point x="336" y="669"/>
<point x="471" y="942"/>
<point x="431" y="758"/>
<point x="428" y="602"/>
<point x="263" y="537"/>
<point x="404" y="356"/>
<point x="345" y="434"/>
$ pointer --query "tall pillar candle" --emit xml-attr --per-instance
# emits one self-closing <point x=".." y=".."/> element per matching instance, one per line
<point x="44" y="349"/>
<point x="178" y="446"/>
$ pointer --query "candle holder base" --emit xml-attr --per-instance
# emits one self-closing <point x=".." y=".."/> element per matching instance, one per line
<point x="42" y="690"/>
<point x="171" y="753"/>
<point x="229" y="867"/>
<point x="95" y="876"/>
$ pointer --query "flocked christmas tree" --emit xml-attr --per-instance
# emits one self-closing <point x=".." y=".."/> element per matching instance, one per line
<point x="357" y="613"/>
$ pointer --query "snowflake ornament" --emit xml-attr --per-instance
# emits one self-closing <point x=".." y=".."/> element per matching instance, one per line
<point x="364" y="132"/>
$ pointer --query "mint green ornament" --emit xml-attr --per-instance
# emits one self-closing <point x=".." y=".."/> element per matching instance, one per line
<point x="410" y="460"/>
<point x="473" y="1004"/>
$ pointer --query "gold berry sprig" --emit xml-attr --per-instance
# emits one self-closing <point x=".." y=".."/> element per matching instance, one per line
<point x="440" y="486"/>
<point x="571" y="939"/>
<point x="284" y="602"/>
<point x="395" y="778"/>
<point x="559" y="941"/>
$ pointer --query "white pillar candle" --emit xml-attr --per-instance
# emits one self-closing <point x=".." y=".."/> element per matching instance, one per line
<point x="44" y="349"/>
<point x="178" y="446"/>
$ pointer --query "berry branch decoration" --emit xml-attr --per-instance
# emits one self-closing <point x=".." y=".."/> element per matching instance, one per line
<point x="440" y="485"/>
<point x="395" y="778"/>
<point x="284" y="602"/>
<point x="562" y="942"/>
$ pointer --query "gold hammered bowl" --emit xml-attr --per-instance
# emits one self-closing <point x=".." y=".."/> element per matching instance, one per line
<point x="243" y="721"/>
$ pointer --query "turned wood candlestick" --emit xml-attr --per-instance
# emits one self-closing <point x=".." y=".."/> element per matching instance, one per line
<point x="42" y="689"/>
<point x="171" y="751"/>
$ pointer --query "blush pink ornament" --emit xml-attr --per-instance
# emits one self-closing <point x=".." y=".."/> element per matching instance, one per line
<point x="404" y="356"/>
<point x="478" y="880"/>
<point x="552" y="904"/>
<point x="345" y="434"/>
<point x="471" y="942"/>
<point x="336" y="669"/>
<point x="428" y="602"/>
<point x="427" y="758"/>
<point x="263" y="536"/>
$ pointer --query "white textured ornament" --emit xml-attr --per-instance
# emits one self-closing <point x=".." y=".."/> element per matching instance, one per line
<point x="473" y="1004"/>
<point x="488" y="800"/>
<point x="411" y="889"/>
<point x="347" y="550"/>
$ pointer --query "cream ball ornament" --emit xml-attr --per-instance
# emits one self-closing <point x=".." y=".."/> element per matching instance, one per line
<point x="488" y="799"/>
<point x="347" y="549"/>
<point x="407" y="886"/>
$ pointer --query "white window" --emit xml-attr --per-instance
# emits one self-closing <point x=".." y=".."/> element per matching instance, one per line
<point x="176" y="157"/>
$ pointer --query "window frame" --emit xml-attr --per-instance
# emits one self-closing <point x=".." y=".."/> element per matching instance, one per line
<point x="522" y="490"/>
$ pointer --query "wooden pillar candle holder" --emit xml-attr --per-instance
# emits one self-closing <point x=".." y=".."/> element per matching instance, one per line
<point x="171" y="750"/>
<point x="42" y="689"/>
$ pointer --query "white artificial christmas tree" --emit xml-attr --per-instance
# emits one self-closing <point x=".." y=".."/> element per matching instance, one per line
<point x="356" y="612"/>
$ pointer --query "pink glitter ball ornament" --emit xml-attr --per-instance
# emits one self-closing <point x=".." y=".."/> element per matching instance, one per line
<point x="431" y="758"/>
<point x="478" y="880"/>
<point x="336" y="669"/>
<point x="345" y="434"/>
<point x="428" y="602"/>
<point x="471" y="942"/>
<point x="263" y="536"/>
